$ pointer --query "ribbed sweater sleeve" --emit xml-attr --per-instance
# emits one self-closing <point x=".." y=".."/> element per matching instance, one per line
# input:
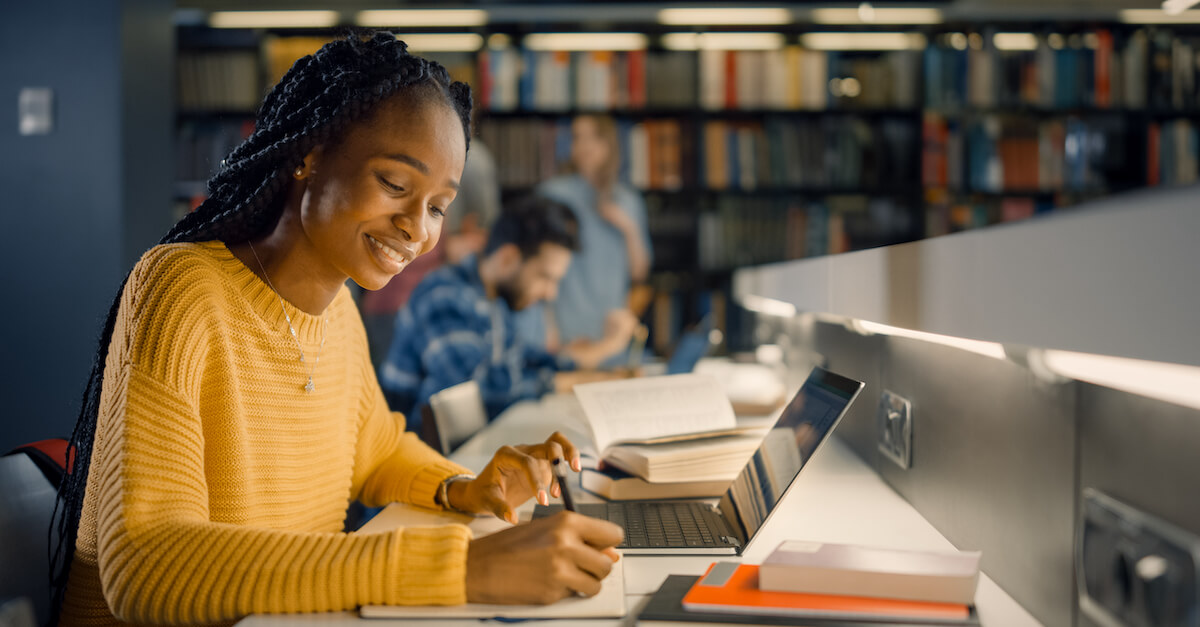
<point x="395" y="465"/>
<point x="161" y="556"/>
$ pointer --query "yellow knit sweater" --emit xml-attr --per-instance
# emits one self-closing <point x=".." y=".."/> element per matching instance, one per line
<point x="218" y="486"/>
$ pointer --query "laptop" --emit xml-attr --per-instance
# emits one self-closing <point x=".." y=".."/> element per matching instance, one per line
<point x="677" y="527"/>
<point x="693" y="346"/>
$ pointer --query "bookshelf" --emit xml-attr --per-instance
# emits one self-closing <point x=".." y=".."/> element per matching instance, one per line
<point x="750" y="157"/>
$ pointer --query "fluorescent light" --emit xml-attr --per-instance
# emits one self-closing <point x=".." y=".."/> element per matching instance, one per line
<point x="1173" y="383"/>
<point x="877" y="15"/>
<point x="863" y="41"/>
<point x="273" y="19"/>
<point x="1157" y="16"/>
<point x="724" y="16"/>
<point x="408" y="18"/>
<point x="987" y="349"/>
<point x="723" y="41"/>
<point x="768" y="306"/>
<point x="442" y="42"/>
<point x="1015" y="41"/>
<point x="1175" y="7"/>
<point x="585" y="41"/>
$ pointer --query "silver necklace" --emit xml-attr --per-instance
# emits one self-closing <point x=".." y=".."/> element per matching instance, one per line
<point x="308" y="387"/>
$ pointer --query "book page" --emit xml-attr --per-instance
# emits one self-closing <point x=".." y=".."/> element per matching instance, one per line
<point x="634" y="410"/>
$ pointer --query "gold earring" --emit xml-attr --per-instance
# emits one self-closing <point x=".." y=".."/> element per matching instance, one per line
<point x="299" y="172"/>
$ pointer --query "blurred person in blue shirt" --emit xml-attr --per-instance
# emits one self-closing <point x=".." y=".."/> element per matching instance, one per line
<point x="458" y="324"/>
<point x="614" y="243"/>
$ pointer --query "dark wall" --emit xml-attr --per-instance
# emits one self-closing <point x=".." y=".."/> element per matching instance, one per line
<point x="65" y="225"/>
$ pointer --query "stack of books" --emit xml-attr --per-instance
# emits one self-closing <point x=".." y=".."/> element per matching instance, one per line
<point x="671" y="436"/>
<point x="824" y="584"/>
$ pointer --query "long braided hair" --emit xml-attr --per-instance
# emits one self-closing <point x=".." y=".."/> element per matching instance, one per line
<point x="312" y="105"/>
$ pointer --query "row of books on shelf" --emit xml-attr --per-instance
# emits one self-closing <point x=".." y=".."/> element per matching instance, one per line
<point x="202" y="144"/>
<point x="1149" y="69"/>
<point x="669" y="154"/>
<point x="796" y="78"/>
<point x="789" y="78"/>
<point x="747" y="231"/>
<point x="945" y="215"/>
<point x="997" y="153"/>
<point x="222" y="80"/>
<point x="1173" y="153"/>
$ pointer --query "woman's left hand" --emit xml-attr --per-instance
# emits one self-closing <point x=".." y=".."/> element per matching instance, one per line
<point x="515" y="474"/>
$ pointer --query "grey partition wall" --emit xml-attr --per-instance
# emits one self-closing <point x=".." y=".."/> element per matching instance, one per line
<point x="1001" y="448"/>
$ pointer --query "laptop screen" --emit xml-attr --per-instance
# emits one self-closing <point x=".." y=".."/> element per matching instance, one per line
<point x="692" y="346"/>
<point x="805" y="423"/>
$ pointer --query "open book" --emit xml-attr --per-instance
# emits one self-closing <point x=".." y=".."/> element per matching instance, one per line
<point x="655" y="409"/>
<point x="671" y="424"/>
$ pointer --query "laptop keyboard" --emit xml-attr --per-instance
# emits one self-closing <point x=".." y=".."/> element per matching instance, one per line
<point x="669" y="525"/>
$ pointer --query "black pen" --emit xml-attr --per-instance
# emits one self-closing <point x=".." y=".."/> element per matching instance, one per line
<point x="568" y="502"/>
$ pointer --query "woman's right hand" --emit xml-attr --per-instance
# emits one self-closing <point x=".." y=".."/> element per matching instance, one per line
<point x="542" y="561"/>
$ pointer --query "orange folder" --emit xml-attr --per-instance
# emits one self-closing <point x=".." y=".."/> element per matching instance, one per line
<point x="729" y="587"/>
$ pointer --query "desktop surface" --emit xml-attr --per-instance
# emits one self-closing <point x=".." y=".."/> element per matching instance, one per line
<point x="838" y="498"/>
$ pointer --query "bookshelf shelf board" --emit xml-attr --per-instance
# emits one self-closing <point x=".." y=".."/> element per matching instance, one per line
<point x="1030" y="192"/>
<point x="1051" y="112"/>
<point x="215" y="114"/>
<point x="811" y="192"/>
<point x="1065" y="112"/>
<point x="791" y="191"/>
<point x="703" y="114"/>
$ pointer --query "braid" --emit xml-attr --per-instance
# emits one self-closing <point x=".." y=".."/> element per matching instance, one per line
<point x="313" y="104"/>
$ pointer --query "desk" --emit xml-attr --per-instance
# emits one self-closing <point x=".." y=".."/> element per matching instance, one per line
<point x="837" y="498"/>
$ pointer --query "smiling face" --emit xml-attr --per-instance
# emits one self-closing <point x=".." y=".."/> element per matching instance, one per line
<point x="375" y="200"/>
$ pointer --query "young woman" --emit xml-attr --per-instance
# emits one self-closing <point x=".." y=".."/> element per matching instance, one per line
<point x="614" y="248"/>
<point x="232" y="411"/>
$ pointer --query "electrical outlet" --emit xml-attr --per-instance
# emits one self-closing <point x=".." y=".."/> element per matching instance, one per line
<point x="893" y="421"/>
<point x="1133" y="568"/>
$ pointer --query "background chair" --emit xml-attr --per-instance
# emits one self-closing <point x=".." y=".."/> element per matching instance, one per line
<point x="458" y="413"/>
<point x="29" y="478"/>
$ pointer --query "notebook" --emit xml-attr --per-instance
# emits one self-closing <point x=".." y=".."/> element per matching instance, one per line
<point x="674" y="527"/>
<point x="666" y="608"/>
<point x="729" y="587"/>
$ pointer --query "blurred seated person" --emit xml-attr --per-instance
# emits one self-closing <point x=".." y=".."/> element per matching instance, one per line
<point x="464" y="232"/>
<point x="614" y="241"/>
<point x="459" y="324"/>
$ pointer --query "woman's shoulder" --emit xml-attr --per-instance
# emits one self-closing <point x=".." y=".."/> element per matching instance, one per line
<point x="180" y="267"/>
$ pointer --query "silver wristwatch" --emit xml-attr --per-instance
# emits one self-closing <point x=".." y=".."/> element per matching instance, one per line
<point x="443" y="494"/>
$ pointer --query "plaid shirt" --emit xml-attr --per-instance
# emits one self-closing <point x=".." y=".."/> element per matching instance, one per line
<point x="450" y="332"/>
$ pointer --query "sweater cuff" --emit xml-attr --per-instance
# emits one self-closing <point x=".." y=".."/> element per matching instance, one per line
<point x="426" y="482"/>
<point x="429" y="566"/>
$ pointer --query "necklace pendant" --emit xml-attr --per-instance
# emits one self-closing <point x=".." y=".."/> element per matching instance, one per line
<point x="309" y="387"/>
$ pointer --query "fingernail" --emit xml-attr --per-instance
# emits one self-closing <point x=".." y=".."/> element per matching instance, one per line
<point x="542" y="498"/>
<point x="577" y="464"/>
